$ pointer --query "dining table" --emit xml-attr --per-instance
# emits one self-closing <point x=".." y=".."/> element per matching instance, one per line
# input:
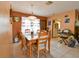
<point x="33" y="39"/>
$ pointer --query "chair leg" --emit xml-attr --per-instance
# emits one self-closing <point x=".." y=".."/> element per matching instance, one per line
<point x="45" y="50"/>
<point x="38" y="52"/>
<point x="45" y="46"/>
<point x="21" y="44"/>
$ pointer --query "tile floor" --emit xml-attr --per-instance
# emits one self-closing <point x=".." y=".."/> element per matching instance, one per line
<point x="5" y="45"/>
<point x="12" y="50"/>
<point x="63" y="51"/>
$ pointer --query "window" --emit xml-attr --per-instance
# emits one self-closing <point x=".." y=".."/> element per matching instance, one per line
<point x="30" y="24"/>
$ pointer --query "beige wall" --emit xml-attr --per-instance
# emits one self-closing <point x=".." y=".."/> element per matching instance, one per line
<point x="61" y="18"/>
<point x="4" y="17"/>
<point x="5" y="30"/>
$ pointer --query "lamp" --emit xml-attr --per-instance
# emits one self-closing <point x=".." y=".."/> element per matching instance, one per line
<point x="33" y="16"/>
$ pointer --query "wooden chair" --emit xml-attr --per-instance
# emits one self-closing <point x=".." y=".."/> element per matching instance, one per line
<point x="22" y="40"/>
<point x="42" y="39"/>
<point x="24" y="44"/>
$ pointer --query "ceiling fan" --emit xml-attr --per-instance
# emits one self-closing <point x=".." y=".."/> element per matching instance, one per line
<point x="49" y="2"/>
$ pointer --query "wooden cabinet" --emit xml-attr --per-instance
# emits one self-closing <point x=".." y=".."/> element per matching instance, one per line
<point x="43" y="24"/>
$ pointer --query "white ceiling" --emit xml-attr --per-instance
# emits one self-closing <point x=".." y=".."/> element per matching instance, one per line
<point x="40" y="8"/>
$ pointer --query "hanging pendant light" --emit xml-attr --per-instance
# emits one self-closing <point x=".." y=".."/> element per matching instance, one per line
<point x="32" y="8"/>
<point x="33" y="16"/>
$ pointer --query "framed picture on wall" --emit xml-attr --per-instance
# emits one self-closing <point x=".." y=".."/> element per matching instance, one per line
<point x="16" y="19"/>
<point x="49" y="22"/>
<point x="67" y="19"/>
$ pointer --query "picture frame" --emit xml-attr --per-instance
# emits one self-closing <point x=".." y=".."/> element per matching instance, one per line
<point x="49" y="22"/>
<point x="67" y="19"/>
<point x="16" y="19"/>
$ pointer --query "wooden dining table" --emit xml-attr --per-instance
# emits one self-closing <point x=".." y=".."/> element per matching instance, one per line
<point x="31" y="40"/>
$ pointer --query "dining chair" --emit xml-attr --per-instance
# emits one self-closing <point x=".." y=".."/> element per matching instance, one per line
<point x="42" y="40"/>
<point x="24" y="43"/>
<point x="22" y="39"/>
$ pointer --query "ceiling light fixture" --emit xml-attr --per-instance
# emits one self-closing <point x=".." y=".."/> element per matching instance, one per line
<point x="49" y="2"/>
<point x="32" y="8"/>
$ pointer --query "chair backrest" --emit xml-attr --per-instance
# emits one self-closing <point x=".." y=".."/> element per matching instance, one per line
<point x="42" y="42"/>
<point x="21" y="37"/>
<point x="42" y="35"/>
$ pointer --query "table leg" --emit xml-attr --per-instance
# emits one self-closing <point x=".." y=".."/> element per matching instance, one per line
<point x="49" y="45"/>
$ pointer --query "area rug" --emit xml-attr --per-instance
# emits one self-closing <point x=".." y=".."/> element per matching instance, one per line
<point x="43" y="53"/>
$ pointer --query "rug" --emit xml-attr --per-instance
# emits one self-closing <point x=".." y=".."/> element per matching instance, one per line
<point x="43" y="53"/>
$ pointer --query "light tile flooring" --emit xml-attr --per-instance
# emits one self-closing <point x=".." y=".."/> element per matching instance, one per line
<point x="63" y="51"/>
<point x="5" y="45"/>
<point x="11" y="50"/>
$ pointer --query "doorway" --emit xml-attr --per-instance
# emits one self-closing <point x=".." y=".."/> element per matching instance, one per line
<point x="55" y="28"/>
